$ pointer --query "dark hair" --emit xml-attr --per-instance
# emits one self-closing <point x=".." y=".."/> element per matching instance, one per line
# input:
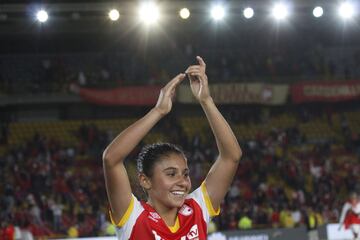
<point x="152" y="153"/>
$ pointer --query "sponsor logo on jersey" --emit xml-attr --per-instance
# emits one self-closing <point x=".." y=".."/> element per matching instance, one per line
<point x="194" y="233"/>
<point x="186" y="210"/>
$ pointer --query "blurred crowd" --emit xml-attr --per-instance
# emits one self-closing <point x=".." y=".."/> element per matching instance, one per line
<point x="284" y="180"/>
<point x="53" y="73"/>
<point x="52" y="189"/>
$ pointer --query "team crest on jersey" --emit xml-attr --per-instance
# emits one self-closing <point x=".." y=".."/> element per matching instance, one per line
<point x="186" y="210"/>
<point x="154" y="216"/>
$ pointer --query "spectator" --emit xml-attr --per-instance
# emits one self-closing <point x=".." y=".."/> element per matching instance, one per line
<point x="245" y="222"/>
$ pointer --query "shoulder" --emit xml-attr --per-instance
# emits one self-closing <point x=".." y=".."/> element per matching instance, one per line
<point x="124" y="227"/>
<point x="201" y="198"/>
<point x="347" y="206"/>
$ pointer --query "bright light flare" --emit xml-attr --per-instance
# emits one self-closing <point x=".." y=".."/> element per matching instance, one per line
<point x="217" y="12"/>
<point x="318" y="12"/>
<point x="248" y="12"/>
<point x="346" y="10"/>
<point x="149" y="13"/>
<point x="42" y="16"/>
<point x="280" y="11"/>
<point x="114" y="15"/>
<point x="184" y="13"/>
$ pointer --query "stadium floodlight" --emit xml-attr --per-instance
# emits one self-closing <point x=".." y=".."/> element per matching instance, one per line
<point x="248" y="12"/>
<point x="318" y="12"/>
<point x="114" y="15"/>
<point x="42" y="16"/>
<point x="280" y="11"/>
<point x="184" y="13"/>
<point x="346" y="10"/>
<point x="217" y="12"/>
<point x="149" y="13"/>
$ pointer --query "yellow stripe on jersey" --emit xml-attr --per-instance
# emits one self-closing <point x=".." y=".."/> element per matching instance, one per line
<point x="208" y="203"/>
<point x="126" y="215"/>
<point x="176" y="226"/>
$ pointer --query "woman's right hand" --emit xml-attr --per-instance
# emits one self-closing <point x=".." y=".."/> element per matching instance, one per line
<point x="164" y="102"/>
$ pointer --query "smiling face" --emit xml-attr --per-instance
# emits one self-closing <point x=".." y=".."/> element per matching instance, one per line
<point x="170" y="182"/>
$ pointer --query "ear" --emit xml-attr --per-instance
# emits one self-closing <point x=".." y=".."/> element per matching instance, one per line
<point x="144" y="181"/>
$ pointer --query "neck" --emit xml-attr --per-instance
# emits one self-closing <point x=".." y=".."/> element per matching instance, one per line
<point x="167" y="214"/>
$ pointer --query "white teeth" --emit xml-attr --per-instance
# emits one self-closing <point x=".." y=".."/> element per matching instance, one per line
<point x="178" y="193"/>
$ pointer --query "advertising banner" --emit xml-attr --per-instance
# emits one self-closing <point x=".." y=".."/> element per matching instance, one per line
<point x="325" y="91"/>
<point x="233" y="93"/>
<point x="133" y="96"/>
<point x="333" y="232"/>
<point x="238" y="93"/>
<point x="265" y="234"/>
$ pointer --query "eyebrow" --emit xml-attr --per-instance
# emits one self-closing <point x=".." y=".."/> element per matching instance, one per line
<point x="174" y="168"/>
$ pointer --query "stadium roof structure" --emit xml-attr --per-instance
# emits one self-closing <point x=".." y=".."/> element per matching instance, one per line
<point x="90" y="18"/>
<point x="17" y="10"/>
<point x="17" y="16"/>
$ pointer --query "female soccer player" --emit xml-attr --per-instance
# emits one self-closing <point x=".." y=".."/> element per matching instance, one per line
<point x="350" y="215"/>
<point x="170" y="212"/>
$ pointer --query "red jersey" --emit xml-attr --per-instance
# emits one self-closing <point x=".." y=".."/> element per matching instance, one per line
<point x="350" y="214"/>
<point x="141" y="221"/>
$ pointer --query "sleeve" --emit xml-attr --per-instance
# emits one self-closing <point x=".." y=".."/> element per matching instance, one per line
<point x="200" y="195"/>
<point x="357" y="209"/>
<point x="125" y="225"/>
<point x="344" y="211"/>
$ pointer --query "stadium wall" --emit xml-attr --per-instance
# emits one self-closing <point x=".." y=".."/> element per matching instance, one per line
<point x="328" y="231"/>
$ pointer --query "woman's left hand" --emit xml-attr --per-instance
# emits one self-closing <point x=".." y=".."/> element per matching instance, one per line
<point x="198" y="80"/>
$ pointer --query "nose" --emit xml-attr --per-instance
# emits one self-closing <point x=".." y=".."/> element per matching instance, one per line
<point x="184" y="182"/>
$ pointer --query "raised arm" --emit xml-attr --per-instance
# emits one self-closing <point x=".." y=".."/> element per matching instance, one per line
<point x="223" y="170"/>
<point x="345" y="209"/>
<point x="116" y="178"/>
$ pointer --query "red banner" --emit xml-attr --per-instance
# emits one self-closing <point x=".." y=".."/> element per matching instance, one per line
<point x="134" y="96"/>
<point x="325" y="91"/>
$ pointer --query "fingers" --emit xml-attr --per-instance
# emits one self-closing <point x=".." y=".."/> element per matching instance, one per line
<point x="196" y="72"/>
<point x="200" y="67"/>
<point x="192" y="68"/>
<point x="175" y="81"/>
<point x="201" y="61"/>
<point x="198" y="76"/>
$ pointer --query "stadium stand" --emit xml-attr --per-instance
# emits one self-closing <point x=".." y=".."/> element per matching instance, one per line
<point x="288" y="170"/>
